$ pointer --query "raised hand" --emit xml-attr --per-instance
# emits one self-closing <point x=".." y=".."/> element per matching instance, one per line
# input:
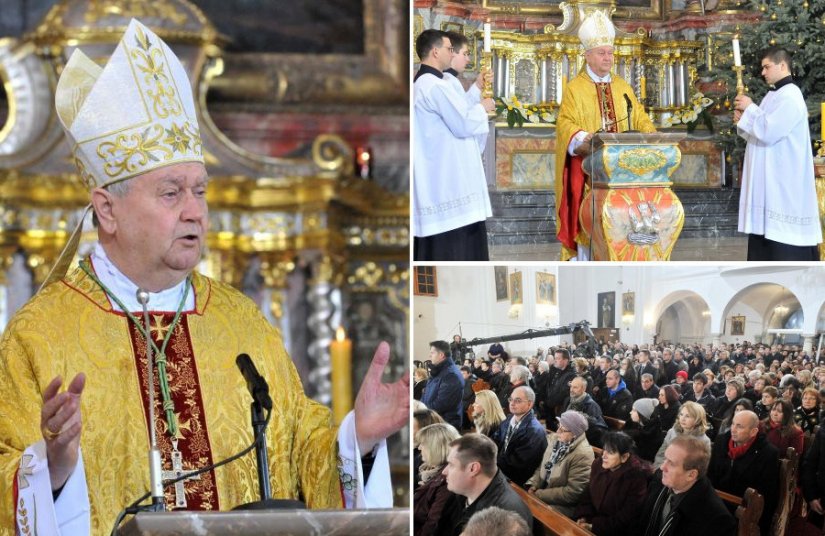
<point x="381" y="409"/>
<point x="60" y="424"/>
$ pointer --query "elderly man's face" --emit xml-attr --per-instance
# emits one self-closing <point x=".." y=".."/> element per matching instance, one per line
<point x="600" y="59"/>
<point x="743" y="427"/>
<point x="519" y="404"/>
<point x="577" y="387"/>
<point x="155" y="233"/>
<point x="647" y="383"/>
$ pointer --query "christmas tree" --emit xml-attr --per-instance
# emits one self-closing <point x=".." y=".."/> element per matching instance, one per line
<point x="796" y="25"/>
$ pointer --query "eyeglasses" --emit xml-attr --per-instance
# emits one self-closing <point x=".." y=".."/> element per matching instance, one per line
<point x="561" y="430"/>
<point x="516" y="400"/>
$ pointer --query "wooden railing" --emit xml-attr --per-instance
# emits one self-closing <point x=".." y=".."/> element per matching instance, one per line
<point x="552" y="522"/>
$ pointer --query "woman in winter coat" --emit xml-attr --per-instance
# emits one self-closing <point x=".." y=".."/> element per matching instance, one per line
<point x="564" y="472"/>
<point x="617" y="490"/>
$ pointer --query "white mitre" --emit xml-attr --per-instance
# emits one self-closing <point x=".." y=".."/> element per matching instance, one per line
<point x="596" y="30"/>
<point x="134" y="115"/>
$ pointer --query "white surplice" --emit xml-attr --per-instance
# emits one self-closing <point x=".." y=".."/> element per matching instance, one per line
<point x="778" y="197"/>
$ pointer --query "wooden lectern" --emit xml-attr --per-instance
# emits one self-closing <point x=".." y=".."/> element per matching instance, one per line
<point x="384" y="522"/>
<point x="630" y="213"/>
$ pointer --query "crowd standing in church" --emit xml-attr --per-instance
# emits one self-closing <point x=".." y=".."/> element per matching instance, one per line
<point x="677" y="444"/>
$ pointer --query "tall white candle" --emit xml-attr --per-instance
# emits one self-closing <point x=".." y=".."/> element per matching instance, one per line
<point x="737" y="59"/>
<point x="487" y="37"/>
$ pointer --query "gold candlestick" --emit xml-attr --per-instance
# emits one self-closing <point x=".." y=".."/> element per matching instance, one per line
<point x="487" y="89"/>
<point x="740" y="85"/>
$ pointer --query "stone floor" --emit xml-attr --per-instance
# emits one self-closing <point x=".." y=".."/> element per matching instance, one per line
<point x="723" y="249"/>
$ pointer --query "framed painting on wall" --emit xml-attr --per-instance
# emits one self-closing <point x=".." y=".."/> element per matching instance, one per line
<point x="628" y="303"/>
<point x="516" y="289"/>
<point x="737" y="325"/>
<point x="545" y="288"/>
<point x="502" y="292"/>
<point x="606" y="309"/>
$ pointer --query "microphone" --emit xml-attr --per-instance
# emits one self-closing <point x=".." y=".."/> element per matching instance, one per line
<point x="155" y="474"/>
<point x="629" y="112"/>
<point x="254" y="382"/>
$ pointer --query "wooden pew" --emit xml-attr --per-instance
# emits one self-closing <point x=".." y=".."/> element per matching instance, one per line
<point x="550" y="521"/>
<point x="788" y="474"/>
<point x="748" y="510"/>
<point x="613" y="423"/>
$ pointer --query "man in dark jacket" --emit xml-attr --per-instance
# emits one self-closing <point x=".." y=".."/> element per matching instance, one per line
<point x="468" y="397"/>
<point x="615" y="401"/>
<point x="700" y="393"/>
<point x="558" y="385"/>
<point x="812" y="476"/>
<point x="523" y="439"/>
<point x="444" y="390"/>
<point x="743" y="458"/>
<point x="582" y="402"/>
<point x="669" y="368"/>
<point x="682" y="502"/>
<point x="647" y="387"/>
<point x="473" y="476"/>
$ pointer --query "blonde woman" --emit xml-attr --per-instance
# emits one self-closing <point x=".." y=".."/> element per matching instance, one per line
<point x="692" y="420"/>
<point x="487" y="414"/>
<point x="432" y="494"/>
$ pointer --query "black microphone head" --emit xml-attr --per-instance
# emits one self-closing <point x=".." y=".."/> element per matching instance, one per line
<point x="627" y="100"/>
<point x="256" y="384"/>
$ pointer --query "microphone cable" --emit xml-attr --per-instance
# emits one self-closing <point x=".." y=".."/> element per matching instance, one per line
<point x="134" y="508"/>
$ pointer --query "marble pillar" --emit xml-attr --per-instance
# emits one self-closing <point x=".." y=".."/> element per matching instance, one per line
<point x="324" y="300"/>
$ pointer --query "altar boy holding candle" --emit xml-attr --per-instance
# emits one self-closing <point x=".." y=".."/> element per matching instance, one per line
<point x="777" y="206"/>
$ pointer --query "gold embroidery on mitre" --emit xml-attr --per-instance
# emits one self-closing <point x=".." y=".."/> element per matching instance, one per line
<point x="159" y="127"/>
<point x="596" y="31"/>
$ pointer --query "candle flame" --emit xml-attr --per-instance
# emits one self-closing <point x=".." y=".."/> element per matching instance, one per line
<point x="340" y="334"/>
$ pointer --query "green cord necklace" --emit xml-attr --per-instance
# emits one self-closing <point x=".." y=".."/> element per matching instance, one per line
<point x="160" y="354"/>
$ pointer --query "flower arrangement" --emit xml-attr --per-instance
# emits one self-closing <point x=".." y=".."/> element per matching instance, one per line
<point x="518" y="113"/>
<point x="692" y="114"/>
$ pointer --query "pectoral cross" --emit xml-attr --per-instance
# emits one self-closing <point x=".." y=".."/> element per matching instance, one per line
<point x="177" y="471"/>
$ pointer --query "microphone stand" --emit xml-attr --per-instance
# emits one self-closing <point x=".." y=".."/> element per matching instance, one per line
<point x="155" y="474"/>
<point x="259" y="429"/>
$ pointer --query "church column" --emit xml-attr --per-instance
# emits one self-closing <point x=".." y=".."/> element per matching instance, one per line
<point x="716" y="339"/>
<point x="324" y="300"/>
<point x="808" y="343"/>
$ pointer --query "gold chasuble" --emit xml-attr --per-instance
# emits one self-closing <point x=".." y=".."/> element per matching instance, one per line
<point x="70" y="327"/>
<point x="586" y="106"/>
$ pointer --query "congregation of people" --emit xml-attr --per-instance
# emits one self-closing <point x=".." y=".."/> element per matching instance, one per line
<point x="633" y="440"/>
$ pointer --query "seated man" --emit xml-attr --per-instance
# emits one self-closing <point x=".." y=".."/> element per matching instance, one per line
<point x="522" y="438"/>
<point x="743" y="458"/>
<point x="682" y="500"/>
<point x="648" y="388"/>
<point x="582" y="402"/>
<point x="478" y="484"/>
<point x="615" y="400"/>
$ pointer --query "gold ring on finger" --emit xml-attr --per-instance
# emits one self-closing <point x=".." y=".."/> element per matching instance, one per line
<point x="48" y="434"/>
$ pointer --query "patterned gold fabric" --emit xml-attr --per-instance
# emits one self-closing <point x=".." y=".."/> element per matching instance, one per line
<point x="69" y="327"/>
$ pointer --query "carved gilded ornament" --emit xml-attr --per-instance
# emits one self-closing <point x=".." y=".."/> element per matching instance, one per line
<point x="158" y="9"/>
<point x="642" y="161"/>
